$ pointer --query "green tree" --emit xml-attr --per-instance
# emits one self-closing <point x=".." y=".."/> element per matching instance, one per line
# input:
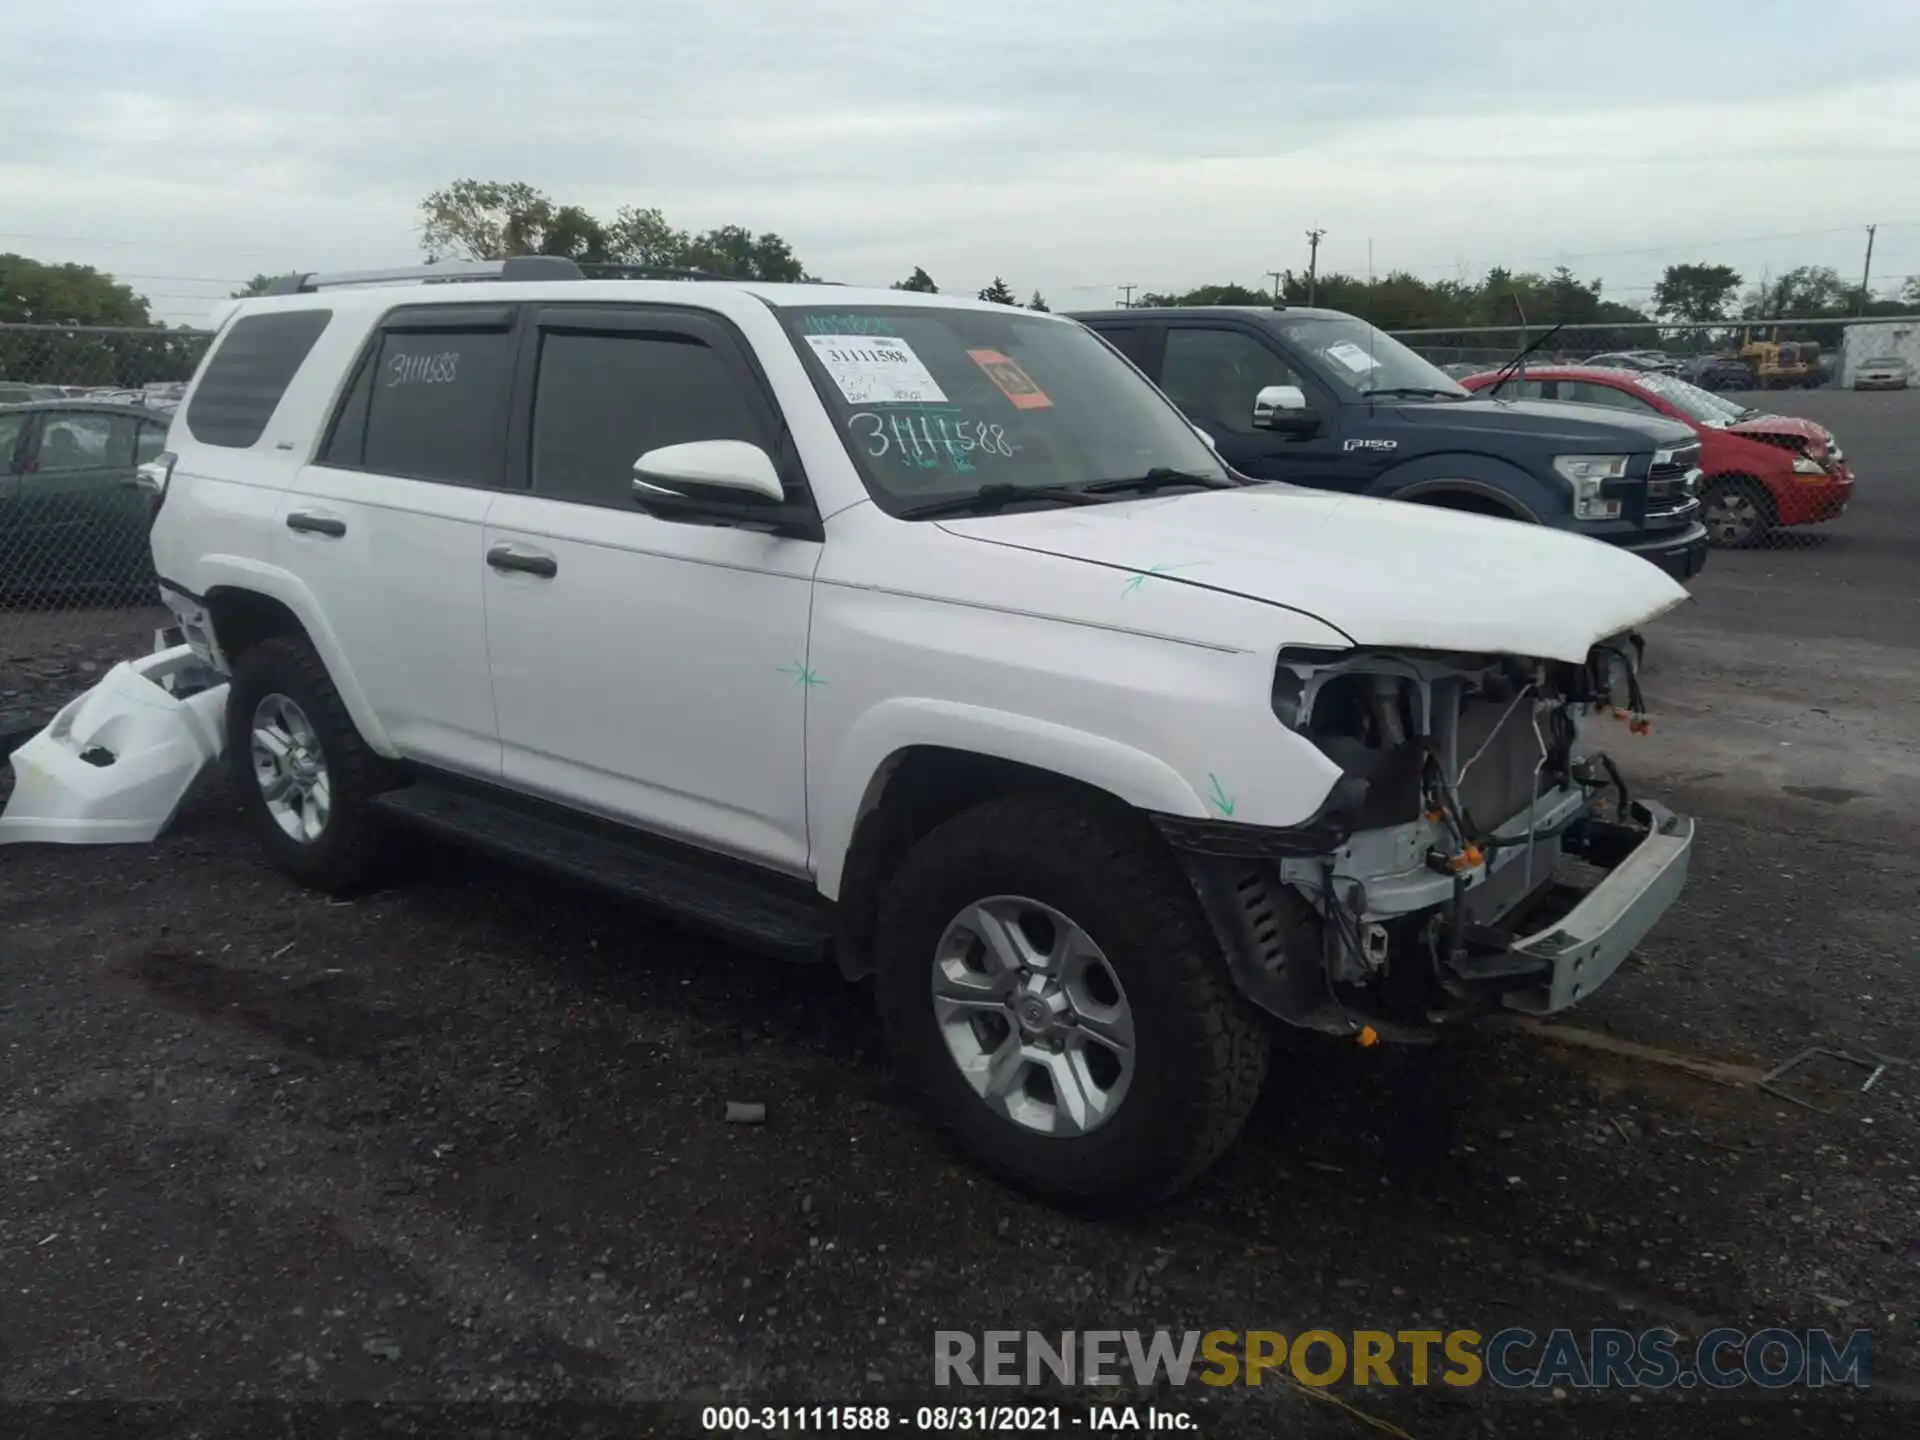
<point x="920" y="281"/>
<point x="486" y="220"/>
<point x="492" y="219"/>
<point x="38" y="294"/>
<point x="999" y="293"/>
<point x="1211" y="295"/>
<point x="733" y="250"/>
<point x="1039" y="302"/>
<point x="1695" y="292"/>
<point x="258" y="285"/>
<point x="1910" y="292"/>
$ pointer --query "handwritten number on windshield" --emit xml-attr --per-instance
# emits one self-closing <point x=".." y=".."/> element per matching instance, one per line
<point x="913" y="437"/>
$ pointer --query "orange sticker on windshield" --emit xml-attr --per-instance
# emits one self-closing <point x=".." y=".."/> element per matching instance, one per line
<point x="1014" y="382"/>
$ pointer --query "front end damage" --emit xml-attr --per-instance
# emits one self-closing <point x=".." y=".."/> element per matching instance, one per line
<point x="1479" y="852"/>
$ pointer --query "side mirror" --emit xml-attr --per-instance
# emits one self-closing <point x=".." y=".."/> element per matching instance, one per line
<point x="719" y="470"/>
<point x="1212" y="444"/>
<point x="1283" y="408"/>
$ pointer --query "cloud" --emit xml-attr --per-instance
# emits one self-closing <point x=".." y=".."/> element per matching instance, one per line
<point x="1076" y="144"/>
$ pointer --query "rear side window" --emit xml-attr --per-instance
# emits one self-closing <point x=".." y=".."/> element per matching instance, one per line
<point x="429" y="402"/>
<point x="603" y="401"/>
<point x="243" y="382"/>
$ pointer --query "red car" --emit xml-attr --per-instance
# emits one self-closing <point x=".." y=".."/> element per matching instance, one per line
<point x="1756" y="471"/>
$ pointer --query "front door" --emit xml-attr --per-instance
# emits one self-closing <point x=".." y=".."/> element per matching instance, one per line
<point x="1214" y="372"/>
<point x="649" y="669"/>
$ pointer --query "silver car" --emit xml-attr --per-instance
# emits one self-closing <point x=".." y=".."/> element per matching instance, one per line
<point x="1888" y="372"/>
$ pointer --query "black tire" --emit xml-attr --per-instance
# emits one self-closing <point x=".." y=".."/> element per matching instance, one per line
<point x="1737" y="511"/>
<point x="1200" y="1051"/>
<point x="346" y="850"/>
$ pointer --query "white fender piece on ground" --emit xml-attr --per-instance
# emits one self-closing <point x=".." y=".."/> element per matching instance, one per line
<point x="112" y="767"/>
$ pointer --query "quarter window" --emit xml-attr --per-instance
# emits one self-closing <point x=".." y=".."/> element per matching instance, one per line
<point x="244" y="380"/>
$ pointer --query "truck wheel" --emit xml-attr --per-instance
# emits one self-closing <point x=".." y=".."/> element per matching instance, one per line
<point x="1049" y="985"/>
<point x="305" y="773"/>
<point x="1736" y="511"/>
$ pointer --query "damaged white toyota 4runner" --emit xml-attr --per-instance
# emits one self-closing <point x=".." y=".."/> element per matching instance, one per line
<point x="925" y="635"/>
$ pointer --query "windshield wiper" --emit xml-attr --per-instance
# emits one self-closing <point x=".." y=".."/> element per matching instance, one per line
<point x="1417" y="390"/>
<point x="1508" y="370"/>
<point x="989" y="498"/>
<point x="1160" y="477"/>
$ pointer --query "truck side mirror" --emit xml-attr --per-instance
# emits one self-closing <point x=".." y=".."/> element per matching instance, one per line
<point x="1283" y="408"/>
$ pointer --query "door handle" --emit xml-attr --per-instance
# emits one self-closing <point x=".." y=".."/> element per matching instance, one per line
<point x="523" y="562"/>
<point x="316" y="524"/>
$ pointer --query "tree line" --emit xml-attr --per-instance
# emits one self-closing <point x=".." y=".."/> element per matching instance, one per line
<point x="489" y="220"/>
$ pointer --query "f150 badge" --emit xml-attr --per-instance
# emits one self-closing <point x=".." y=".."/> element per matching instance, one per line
<point x="1371" y="445"/>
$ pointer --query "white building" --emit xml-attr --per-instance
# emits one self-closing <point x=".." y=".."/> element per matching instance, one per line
<point x="1866" y="340"/>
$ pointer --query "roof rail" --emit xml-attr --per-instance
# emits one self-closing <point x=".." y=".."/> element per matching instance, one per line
<point x="517" y="267"/>
<point x="613" y="270"/>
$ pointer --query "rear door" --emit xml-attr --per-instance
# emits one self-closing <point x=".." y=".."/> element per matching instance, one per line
<point x="80" y="522"/>
<point x="385" y="528"/>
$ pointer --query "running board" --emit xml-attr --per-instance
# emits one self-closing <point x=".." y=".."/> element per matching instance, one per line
<point x="767" y="913"/>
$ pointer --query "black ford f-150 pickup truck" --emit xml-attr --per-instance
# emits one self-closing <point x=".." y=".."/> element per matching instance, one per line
<point x="1321" y="398"/>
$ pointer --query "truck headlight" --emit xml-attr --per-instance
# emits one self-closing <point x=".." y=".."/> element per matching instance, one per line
<point x="1587" y="474"/>
<point x="1807" y="465"/>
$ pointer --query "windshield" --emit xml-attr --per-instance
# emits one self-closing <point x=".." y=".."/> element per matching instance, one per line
<point x="1690" y="399"/>
<point x="1886" y="362"/>
<point x="1357" y="358"/>
<point x="936" y="402"/>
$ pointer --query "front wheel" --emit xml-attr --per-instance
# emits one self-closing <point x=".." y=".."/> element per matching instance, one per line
<point x="1737" y="513"/>
<point x="1050" y="987"/>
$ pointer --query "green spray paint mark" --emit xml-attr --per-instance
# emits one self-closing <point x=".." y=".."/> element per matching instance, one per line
<point x="802" y="676"/>
<point x="1141" y="577"/>
<point x="1219" y="796"/>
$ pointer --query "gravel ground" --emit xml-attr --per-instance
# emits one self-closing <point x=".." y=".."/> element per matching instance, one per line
<point x="464" y="1139"/>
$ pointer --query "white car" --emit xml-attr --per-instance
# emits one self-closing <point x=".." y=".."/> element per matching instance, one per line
<point x="1886" y="372"/>
<point x="923" y="634"/>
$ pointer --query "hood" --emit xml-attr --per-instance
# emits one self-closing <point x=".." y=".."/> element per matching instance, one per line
<point x="1787" y="431"/>
<point x="1591" y="428"/>
<point x="1383" y="572"/>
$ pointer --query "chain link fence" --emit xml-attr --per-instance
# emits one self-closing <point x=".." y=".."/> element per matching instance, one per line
<point x="1777" y="406"/>
<point x="80" y="408"/>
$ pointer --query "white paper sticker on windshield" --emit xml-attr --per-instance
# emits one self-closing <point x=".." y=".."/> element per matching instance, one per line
<point x="876" y="369"/>
<point x="1352" y="356"/>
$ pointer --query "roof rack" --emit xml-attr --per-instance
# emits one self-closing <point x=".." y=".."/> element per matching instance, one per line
<point x="613" y="270"/>
<point x="517" y="267"/>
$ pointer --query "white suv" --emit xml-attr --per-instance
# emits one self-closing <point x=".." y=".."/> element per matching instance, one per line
<point x="926" y="635"/>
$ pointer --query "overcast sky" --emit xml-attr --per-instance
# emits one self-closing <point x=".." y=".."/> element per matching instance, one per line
<point x="1071" y="145"/>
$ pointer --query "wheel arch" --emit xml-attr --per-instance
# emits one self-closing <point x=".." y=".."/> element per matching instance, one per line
<point x="910" y="765"/>
<point x="1433" y="479"/>
<point x="245" y="602"/>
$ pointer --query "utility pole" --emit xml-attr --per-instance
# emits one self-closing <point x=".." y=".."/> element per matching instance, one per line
<point x="1127" y="304"/>
<point x="1866" y="271"/>
<point x="1313" y="262"/>
<point x="1276" y="274"/>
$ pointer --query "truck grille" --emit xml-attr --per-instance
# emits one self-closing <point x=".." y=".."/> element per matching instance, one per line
<point x="1670" y="469"/>
<point x="1671" y="483"/>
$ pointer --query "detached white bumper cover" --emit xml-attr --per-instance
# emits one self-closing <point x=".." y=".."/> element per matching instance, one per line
<point x="113" y="765"/>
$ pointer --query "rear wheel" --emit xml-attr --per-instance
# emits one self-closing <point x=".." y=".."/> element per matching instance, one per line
<point x="1737" y="512"/>
<point x="307" y="776"/>
<point x="1050" y="987"/>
